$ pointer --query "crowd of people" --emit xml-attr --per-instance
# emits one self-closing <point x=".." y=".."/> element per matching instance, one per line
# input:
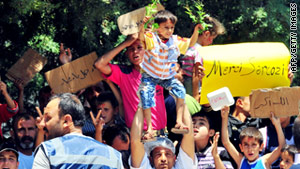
<point x="145" y="115"/>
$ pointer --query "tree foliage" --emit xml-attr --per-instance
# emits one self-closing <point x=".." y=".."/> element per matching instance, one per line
<point x="91" y="25"/>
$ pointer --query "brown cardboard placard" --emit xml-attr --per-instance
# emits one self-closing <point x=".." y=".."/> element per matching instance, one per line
<point x="74" y="76"/>
<point x="282" y="101"/>
<point x="27" y="66"/>
<point x="129" y="23"/>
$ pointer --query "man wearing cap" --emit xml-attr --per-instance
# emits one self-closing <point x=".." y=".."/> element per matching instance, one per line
<point x="8" y="156"/>
<point x="67" y="147"/>
<point x="161" y="152"/>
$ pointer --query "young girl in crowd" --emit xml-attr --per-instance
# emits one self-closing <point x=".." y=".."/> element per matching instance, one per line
<point x="192" y="59"/>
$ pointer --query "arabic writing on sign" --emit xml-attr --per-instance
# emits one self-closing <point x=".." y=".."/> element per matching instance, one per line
<point x="130" y="26"/>
<point x="82" y="75"/>
<point x="284" y="101"/>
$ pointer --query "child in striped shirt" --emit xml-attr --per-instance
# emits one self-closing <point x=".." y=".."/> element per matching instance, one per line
<point x="162" y="49"/>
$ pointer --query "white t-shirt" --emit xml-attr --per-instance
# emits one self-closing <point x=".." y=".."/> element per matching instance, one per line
<point x="183" y="161"/>
<point x="26" y="161"/>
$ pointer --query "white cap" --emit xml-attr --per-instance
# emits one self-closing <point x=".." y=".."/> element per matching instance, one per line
<point x="159" y="142"/>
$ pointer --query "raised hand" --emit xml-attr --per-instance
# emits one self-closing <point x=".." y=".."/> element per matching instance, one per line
<point x="98" y="123"/>
<point x="65" y="55"/>
<point x="275" y="120"/>
<point x="225" y="112"/>
<point x="290" y="75"/>
<point x="19" y="84"/>
<point x="40" y="125"/>
<point x="3" y="88"/>
<point x="131" y="38"/>
<point x="198" y="27"/>
<point x="199" y="70"/>
<point x="214" y="144"/>
<point x="39" y="120"/>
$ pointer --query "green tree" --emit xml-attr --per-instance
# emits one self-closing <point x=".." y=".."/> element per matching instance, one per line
<point x="91" y="25"/>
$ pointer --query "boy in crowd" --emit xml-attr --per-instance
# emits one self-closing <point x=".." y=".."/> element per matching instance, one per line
<point x="203" y="132"/>
<point x="270" y="136"/>
<point x="162" y="50"/>
<point x="251" y="143"/>
<point x="287" y="156"/>
<point x="8" y="155"/>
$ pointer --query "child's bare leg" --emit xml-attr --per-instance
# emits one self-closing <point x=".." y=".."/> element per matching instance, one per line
<point x="180" y="128"/>
<point x="149" y="135"/>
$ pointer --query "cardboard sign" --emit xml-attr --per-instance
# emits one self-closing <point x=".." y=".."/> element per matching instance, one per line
<point x="243" y="67"/>
<point x="74" y="76"/>
<point x="129" y="23"/>
<point x="281" y="101"/>
<point x="27" y="66"/>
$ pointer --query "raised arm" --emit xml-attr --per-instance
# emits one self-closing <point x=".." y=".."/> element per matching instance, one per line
<point x="225" y="138"/>
<point x="65" y="55"/>
<point x="198" y="74"/>
<point x="102" y="62"/>
<point x="188" y="143"/>
<point x="137" y="147"/>
<point x="40" y="125"/>
<point x="98" y="123"/>
<point x="214" y="150"/>
<point x="274" y="155"/>
<point x="142" y="30"/>
<point x="9" y="101"/>
<point x="195" y="35"/>
<point x="19" y="84"/>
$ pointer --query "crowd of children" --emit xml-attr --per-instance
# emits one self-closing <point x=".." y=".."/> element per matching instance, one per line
<point x="127" y="111"/>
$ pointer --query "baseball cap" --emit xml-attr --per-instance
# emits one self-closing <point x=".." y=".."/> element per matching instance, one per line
<point x="159" y="142"/>
<point x="9" y="146"/>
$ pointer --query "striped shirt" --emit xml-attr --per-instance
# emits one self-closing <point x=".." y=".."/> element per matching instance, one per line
<point x="160" y="58"/>
<point x="191" y="57"/>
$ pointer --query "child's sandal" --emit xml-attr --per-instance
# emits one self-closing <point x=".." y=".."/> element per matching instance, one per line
<point x="147" y="139"/>
<point x="180" y="131"/>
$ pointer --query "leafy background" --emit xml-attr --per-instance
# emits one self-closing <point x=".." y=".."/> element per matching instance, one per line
<point x="91" y="25"/>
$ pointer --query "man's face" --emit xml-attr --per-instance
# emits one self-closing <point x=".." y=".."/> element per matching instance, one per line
<point x="163" y="158"/>
<point x="201" y="128"/>
<point x="135" y="53"/>
<point x="52" y="122"/>
<point x="119" y="144"/>
<point x="25" y="133"/>
<point x="246" y="104"/>
<point x="250" y="147"/>
<point x="8" y="160"/>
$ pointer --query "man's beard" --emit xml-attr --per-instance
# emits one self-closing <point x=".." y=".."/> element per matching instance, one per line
<point x="26" y="145"/>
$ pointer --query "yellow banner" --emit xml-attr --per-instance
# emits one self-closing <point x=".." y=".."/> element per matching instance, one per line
<point x="243" y="67"/>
